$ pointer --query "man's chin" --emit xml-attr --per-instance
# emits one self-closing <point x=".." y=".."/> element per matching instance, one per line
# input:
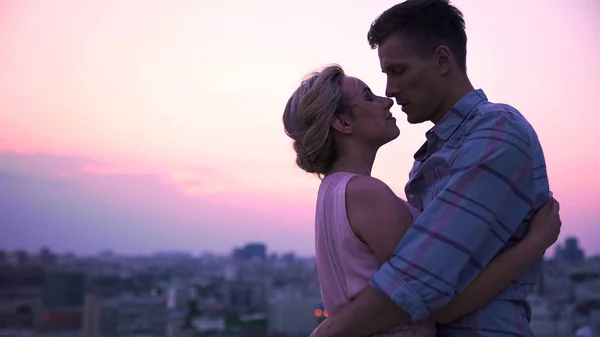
<point x="413" y="121"/>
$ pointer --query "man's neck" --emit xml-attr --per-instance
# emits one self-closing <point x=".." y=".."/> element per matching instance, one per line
<point x="457" y="91"/>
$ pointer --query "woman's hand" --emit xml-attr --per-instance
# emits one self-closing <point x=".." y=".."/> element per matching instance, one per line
<point x="545" y="225"/>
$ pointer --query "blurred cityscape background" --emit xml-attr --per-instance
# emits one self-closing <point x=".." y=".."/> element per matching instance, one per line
<point x="144" y="126"/>
<point x="249" y="292"/>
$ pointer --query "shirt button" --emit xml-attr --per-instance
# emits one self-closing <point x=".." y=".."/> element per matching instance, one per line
<point x="411" y="197"/>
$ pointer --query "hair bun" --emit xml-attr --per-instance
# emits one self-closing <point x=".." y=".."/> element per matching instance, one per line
<point x="307" y="119"/>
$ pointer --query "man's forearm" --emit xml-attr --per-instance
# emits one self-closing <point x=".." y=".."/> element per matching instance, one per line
<point x="368" y="314"/>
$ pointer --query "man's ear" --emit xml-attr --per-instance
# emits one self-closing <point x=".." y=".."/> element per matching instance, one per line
<point x="443" y="57"/>
<point x="341" y="123"/>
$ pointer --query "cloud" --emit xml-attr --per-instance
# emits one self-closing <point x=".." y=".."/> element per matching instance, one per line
<point x="78" y="204"/>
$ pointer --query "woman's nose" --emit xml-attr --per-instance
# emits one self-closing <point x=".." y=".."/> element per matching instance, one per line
<point x="389" y="103"/>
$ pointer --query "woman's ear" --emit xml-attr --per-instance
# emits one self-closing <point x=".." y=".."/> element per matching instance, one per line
<point x="342" y="124"/>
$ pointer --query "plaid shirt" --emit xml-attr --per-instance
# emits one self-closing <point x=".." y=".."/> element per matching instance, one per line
<point x="478" y="179"/>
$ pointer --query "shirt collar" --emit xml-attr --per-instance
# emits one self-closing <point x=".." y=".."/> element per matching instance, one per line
<point x="453" y="118"/>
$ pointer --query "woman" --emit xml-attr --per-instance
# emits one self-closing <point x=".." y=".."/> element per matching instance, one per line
<point x="338" y="125"/>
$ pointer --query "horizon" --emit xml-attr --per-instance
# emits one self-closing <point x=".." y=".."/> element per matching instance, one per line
<point x="550" y="253"/>
<point x="150" y="125"/>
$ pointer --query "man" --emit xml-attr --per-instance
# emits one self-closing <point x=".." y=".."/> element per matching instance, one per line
<point x="478" y="179"/>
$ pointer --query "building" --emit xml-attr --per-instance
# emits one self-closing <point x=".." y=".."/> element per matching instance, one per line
<point x="555" y="283"/>
<point x="294" y="316"/>
<point x="63" y="289"/>
<point x="595" y="320"/>
<point x="251" y="251"/>
<point x="246" y="296"/>
<point x="62" y="300"/>
<point x="547" y="321"/>
<point x="209" y="324"/>
<point x="125" y="317"/>
<point x="570" y="252"/>
<point x="91" y="316"/>
<point x="178" y="296"/>
<point x="47" y="259"/>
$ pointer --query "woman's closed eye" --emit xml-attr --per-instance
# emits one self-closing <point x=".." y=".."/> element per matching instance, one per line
<point x="369" y="96"/>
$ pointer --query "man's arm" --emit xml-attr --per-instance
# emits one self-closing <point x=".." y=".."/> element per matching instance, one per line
<point x="495" y="277"/>
<point x="462" y="229"/>
<point x="543" y="232"/>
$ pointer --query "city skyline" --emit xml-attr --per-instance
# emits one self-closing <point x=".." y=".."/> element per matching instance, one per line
<point x="149" y="126"/>
<point x="231" y="252"/>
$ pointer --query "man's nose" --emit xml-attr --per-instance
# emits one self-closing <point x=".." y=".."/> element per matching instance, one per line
<point x="391" y="90"/>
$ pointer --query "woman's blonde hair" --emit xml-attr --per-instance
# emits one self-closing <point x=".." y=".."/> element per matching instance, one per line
<point x="308" y="116"/>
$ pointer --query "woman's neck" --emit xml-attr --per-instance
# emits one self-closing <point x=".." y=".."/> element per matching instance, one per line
<point x="359" y="162"/>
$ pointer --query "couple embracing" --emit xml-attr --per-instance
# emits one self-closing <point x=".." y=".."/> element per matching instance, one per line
<point x="460" y="255"/>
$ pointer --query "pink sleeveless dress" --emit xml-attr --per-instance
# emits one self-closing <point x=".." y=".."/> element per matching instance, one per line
<point x="344" y="263"/>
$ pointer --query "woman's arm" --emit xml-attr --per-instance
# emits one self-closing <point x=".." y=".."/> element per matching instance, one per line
<point x="543" y="232"/>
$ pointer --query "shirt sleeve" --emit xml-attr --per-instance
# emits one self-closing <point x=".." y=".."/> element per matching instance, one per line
<point x="488" y="196"/>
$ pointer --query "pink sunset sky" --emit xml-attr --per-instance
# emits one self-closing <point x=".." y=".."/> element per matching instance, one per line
<point x="156" y="125"/>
